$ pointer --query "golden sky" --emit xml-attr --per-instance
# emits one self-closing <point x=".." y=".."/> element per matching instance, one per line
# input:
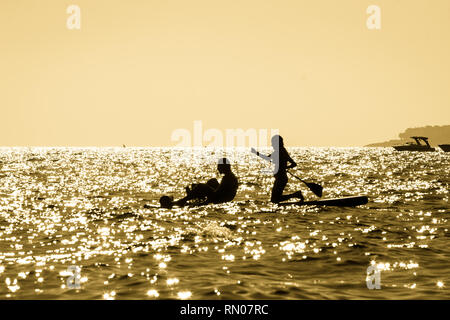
<point x="140" y="69"/>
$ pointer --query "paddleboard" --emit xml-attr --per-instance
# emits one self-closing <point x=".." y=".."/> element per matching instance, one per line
<point x="166" y="202"/>
<point x="337" y="202"/>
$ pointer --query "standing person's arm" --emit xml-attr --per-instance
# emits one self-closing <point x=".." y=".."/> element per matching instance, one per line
<point x="263" y="156"/>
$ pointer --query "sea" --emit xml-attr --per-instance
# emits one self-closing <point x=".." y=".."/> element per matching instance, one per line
<point x="85" y="223"/>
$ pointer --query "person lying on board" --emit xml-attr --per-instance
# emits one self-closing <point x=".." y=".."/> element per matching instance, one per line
<point x="212" y="183"/>
<point x="167" y="201"/>
<point x="280" y="158"/>
<point x="210" y="192"/>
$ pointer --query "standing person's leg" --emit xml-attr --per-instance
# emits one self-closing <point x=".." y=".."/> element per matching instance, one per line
<point x="278" y="188"/>
<point x="296" y="194"/>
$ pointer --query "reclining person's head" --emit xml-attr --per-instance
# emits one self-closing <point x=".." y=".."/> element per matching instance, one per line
<point x="166" y="202"/>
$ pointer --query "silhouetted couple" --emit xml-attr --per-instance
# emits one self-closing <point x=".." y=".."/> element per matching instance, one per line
<point x="225" y="191"/>
<point x="209" y="192"/>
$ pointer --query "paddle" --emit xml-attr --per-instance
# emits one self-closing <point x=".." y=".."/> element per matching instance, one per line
<point x="314" y="187"/>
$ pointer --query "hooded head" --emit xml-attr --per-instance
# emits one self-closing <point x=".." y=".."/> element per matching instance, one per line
<point x="223" y="165"/>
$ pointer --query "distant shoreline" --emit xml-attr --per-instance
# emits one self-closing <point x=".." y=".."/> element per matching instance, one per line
<point x="436" y="134"/>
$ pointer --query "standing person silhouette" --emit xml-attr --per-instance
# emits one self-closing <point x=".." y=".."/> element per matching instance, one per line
<point x="280" y="158"/>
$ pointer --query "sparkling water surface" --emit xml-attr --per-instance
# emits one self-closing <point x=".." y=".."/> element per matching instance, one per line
<point x="97" y="209"/>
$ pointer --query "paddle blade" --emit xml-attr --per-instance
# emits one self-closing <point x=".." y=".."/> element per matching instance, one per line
<point x="315" y="188"/>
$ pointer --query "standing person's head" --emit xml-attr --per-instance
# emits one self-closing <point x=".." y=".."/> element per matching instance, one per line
<point x="277" y="141"/>
<point x="223" y="165"/>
